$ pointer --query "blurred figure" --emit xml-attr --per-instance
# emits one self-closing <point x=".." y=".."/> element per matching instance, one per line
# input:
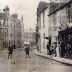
<point x="27" y="49"/>
<point x="10" y="52"/>
<point x="48" y="48"/>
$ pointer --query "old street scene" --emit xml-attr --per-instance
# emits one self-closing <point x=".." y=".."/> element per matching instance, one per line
<point x="35" y="35"/>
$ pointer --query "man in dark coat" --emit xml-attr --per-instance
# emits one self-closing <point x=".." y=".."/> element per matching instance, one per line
<point x="27" y="49"/>
<point x="48" y="48"/>
<point x="10" y="52"/>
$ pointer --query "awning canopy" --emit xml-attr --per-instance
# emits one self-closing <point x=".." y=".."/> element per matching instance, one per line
<point x="47" y="37"/>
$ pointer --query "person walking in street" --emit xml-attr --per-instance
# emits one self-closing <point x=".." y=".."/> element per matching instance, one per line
<point x="10" y="52"/>
<point x="27" y="49"/>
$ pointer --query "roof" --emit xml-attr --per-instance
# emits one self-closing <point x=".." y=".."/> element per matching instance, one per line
<point x="55" y="7"/>
<point x="41" y="7"/>
<point x="2" y="16"/>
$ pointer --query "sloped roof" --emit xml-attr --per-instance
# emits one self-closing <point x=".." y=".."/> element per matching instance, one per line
<point x="41" y="7"/>
<point x="57" y="6"/>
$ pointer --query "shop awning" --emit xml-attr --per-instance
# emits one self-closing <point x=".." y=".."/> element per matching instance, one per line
<point x="47" y="37"/>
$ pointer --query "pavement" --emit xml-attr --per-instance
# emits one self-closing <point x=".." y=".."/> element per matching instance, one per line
<point x="58" y="59"/>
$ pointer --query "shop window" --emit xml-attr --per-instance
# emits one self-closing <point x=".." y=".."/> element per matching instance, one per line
<point x="54" y="20"/>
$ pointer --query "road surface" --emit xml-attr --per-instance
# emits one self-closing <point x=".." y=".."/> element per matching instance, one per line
<point x="33" y="64"/>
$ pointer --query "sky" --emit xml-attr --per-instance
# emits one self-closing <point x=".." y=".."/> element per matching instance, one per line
<point x="25" y="8"/>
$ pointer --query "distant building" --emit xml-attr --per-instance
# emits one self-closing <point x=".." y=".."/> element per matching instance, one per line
<point x="29" y="36"/>
<point x="11" y="29"/>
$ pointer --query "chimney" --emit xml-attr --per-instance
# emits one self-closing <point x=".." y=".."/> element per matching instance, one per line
<point x="6" y="10"/>
<point x="15" y="16"/>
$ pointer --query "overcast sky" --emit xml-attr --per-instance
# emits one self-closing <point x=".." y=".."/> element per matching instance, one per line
<point x="27" y="8"/>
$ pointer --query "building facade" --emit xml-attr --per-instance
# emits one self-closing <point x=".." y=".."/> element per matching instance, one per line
<point x="10" y="28"/>
<point x="42" y="25"/>
<point x="59" y="23"/>
<point x="29" y="36"/>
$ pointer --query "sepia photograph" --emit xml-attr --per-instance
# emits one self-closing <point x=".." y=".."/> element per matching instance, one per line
<point x="35" y="35"/>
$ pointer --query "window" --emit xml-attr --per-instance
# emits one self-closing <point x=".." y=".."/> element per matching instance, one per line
<point x="14" y="25"/>
<point x="43" y="19"/>
<point x="4" y="22"/>
<point x="54" y="20"/>
<point x="14" y="42"/>
<point x="9" y="42"/>
<point x="69" y="15"/>
<point x="5" y="34"/>
<point x="7" y="21"/>
<point x="11" y="34"/>
<point x="44" y="40"/>
<point x="0" y="22"/>
<point x="11" y="24"/>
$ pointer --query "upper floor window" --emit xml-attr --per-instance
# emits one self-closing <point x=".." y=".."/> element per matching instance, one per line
<point x="0" y="22"/>
<point x="69" y="11"/>
<point x="11" y="34"/>
<point x="11" y="24"/>
<point x="44" y="40"/>
<point x="43" y="19"/>
<point x="14" y="25"/>
<point x="54" y="20"/>
<point x="4" y="22"/>
<point x="5" y="34"/>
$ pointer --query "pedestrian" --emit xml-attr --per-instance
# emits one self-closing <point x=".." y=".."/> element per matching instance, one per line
<point x="10" y="52"/>
<point x="27" y="49"/>
<point x="51" y="51"/>
<point x="54" y="49"/>
<point x="48" y="48"/>
<point x="14" y="46"/>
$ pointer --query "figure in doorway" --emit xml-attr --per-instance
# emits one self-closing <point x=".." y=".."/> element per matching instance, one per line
<point x="48" y="48"/>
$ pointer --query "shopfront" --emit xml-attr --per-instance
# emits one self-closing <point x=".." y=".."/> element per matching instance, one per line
<point x="65" y="43"/>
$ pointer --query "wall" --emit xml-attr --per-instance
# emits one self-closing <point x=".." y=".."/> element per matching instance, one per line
<point x="44" y="30"/>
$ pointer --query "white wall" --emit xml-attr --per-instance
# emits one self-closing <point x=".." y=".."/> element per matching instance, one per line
<point x="44" y="30"/>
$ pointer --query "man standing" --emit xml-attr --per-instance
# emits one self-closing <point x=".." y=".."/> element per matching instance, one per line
<point x="48" y="48"/>
<point x="27" y="49"/>
<point x="10" y="51"/>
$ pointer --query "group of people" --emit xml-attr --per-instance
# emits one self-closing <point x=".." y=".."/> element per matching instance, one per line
<point x="66" y="47"/>
<point x="12" y="47"/>
<point x="51" y="49"/>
